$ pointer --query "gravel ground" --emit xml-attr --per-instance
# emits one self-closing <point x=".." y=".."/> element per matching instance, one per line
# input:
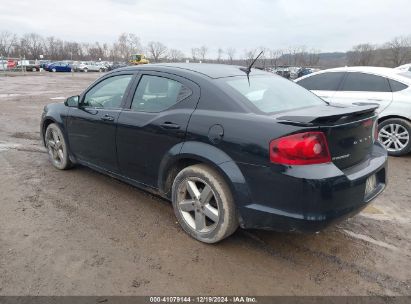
<point x="78" y="232"/>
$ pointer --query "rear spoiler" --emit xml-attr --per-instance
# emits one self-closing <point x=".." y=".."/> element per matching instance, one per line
<point x="331" y="114"/>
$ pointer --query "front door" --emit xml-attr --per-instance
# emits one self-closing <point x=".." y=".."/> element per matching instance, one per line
<point x="324" y="85"/>
<point x="92" y="126"/>
<point x="155" y="122"/>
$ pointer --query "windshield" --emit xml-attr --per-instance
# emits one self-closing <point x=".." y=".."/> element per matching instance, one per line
<point x="273" y="94"/>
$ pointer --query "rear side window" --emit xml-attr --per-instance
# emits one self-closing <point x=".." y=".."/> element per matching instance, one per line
<point x="365" y="83"/>
<point x="271" y="93"/>
<point x="397" y="86"/>
<point x="156" y="94"/>
<point x="322" y="82"/>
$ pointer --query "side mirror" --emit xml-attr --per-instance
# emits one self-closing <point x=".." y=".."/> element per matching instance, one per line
<point x="72" y="101"/>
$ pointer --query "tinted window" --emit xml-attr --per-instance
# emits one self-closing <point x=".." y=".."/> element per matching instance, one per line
<point x="365" y="82"/>
<point x="397" y="86"/>
<point x="272" y="94"/>
<point x="322" y="82"/>
<point x="156" y="94"/>
<point x="108" y="93"/>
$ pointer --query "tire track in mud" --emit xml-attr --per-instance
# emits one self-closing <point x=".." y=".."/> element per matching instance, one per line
<point x="383" y="280"/>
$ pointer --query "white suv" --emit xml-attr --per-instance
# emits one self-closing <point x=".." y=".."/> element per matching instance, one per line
<point x="390" y="88"/>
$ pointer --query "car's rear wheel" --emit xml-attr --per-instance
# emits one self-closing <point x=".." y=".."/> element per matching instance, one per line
<point x="53" y="70"/>
<point x="203" y="204"/>
<point x="57" y="147"/>
<point x="85" y="70"/>
<point x="100" y="70"/>
<point x="394" y="134"/>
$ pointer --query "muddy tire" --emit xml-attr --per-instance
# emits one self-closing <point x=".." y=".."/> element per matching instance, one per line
<point x="57" y="147"/>
<point x="203" y="204"/>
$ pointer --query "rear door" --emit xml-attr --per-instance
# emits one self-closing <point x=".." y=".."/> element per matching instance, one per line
<point x="155" y="121"/>
<point x="365" y="88"/>
<point x="324" y="85"/>
<point x="92" y="126"/>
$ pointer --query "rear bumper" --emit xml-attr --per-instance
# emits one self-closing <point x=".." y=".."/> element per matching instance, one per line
<point x="309" y="198"/>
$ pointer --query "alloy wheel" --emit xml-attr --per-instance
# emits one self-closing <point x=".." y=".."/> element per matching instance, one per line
<point x="394" y="137"/>
<point x="197" y="205"/>
<point x="55" y="147"/>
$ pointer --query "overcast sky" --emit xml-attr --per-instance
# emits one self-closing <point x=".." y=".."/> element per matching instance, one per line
<point x="328" y="25"/>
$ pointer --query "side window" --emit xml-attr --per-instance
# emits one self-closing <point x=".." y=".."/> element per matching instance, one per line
<point x="365" y="83"/>
<point x="156" y="94"/>
<point x="108" y="93"/>
<point x="397" y="86"/>
<point x="322" y="82"/>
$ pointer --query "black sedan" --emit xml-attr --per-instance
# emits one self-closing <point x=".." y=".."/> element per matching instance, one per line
<point x="227" y="147"/>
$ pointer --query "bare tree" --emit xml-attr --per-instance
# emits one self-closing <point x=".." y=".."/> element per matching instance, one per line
<point x="230" y="54"/>
<point x="202" y="52"/>
<point x="361" y="54"/>
<point x="175" y="55"/>
<point x="157" y="50"/>
<point x="261" y="62"/>
<point x="249" y="56"/>
<point x="398" y="50"/>
<point x="134" y="43"/>
<point x="275" y="56"/>
<point x="313" y="57"/>
<point x="7" y="42"/>
<point x="122" y="47"/>
<point x="32" y="45"/>
<point x="194" y="53"/>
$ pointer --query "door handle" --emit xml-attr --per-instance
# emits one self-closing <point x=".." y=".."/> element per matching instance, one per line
<point x="170" y="125"/>
<point x="107" y="118"/>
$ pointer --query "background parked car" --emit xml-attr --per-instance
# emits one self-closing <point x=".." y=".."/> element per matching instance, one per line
<point x="283" y="71"/>
<point x="304" y="71"/>
<point x="32" y="65"/>
<point x="44" y="63"/>
<point x="59" y="66"/>
<point x="116" y="65"/>
<point x="389" y="88"/>
<point x="91" y="67"/>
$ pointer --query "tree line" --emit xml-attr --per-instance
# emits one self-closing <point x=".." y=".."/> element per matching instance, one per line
<point x="390" y="54"/>
<point x="32" y="45"/>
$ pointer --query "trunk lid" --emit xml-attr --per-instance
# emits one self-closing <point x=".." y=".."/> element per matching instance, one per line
<point x="349" y="129"/>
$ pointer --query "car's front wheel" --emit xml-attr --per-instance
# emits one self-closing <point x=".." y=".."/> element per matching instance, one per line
<point x="203" y="204"/>
<point x="394" y="134"/>
<point x="57" y="147"/>
<point x="53" y="70"/>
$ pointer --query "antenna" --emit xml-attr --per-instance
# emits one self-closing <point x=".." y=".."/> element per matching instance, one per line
<point x="248" y="69"/>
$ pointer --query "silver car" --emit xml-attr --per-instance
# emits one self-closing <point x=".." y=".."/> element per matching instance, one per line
<point x="390" y="88"/>
<point x="91" y="67"/>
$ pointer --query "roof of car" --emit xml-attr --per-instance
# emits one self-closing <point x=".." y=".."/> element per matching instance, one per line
<point x="381" y="71"/>
<point x="207" y="69"/>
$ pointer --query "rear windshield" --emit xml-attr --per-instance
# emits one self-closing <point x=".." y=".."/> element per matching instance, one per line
<point x="272" y="93"/>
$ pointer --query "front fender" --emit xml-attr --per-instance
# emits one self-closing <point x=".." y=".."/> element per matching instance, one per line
<point x="211" y="155"/>
<point x="55" y="113"/>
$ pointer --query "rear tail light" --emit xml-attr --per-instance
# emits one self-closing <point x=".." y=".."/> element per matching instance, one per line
<point x="300" y="149"/>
